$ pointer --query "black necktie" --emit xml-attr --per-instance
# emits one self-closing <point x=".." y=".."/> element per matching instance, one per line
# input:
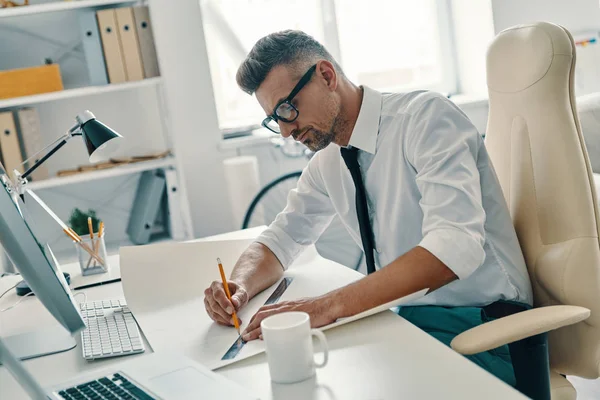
<point x="350" y="157"/>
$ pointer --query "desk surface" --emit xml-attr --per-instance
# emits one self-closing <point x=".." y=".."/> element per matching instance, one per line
<point x="380" y="357"/>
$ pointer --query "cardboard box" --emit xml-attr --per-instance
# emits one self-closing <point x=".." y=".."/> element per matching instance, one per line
<point x="29" y="81"/>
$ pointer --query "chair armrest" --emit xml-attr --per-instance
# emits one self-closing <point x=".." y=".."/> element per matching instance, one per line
<point x="516" y="327"/>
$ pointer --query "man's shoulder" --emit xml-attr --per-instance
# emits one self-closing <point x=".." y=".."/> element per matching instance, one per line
<point x="408" y="103"/>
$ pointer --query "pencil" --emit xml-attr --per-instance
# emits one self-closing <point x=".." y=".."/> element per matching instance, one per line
<point x="91" y="229"/>
<point x="100" y="233"/>
<point x="76" y="238"/>
<point x="235" y="318"/>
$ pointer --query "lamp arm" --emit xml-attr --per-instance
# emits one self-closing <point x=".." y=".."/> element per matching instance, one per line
<point x="61" y="142"/>
<point x="33" y="156"/>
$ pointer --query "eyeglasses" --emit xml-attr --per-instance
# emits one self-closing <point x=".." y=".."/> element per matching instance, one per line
<point x="285" y="110"/>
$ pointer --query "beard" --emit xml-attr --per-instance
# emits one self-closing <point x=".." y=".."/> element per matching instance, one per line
<point x="321" y="139"/>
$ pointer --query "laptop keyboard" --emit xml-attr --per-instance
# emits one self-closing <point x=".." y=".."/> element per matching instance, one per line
<point x="110" y="387"/>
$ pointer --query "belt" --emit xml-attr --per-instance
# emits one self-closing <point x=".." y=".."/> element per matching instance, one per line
<point x="502" y="308"/>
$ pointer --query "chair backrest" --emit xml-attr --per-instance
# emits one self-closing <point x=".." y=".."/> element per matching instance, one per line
<point x="537" y="148"/>
<point x="588" y="109"/>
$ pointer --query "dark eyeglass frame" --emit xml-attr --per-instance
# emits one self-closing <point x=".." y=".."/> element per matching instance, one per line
<point x="288" y="100"/>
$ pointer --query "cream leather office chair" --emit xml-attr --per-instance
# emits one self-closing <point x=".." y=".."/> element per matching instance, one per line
<point x="537" y="148"/>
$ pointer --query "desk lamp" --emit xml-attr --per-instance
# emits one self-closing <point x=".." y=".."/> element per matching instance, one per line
<point x="99" y="140"/>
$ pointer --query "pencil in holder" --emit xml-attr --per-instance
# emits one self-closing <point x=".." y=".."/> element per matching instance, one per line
<point x="90" y="265"/>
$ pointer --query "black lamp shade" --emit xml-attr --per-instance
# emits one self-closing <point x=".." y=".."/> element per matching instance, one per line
<point x="99" y="140"/>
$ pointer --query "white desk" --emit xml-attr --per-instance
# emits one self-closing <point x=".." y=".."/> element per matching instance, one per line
<point x="381" y="357"/>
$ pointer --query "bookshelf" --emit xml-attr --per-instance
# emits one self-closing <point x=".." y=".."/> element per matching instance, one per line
<point x="102" y="174"/>
<point x="137" y="109"/>
<point x="78" y="92"/>
<point x="58" y="6"/>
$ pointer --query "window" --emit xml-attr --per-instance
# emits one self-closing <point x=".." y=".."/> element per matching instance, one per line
<point x="389" y="45"/>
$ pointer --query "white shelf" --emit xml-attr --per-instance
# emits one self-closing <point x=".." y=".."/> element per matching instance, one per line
<point x="259" y="137"/>
<point x="58" y="6"/>
<point x="102" y="174"/>
<point x="79" y="92"/>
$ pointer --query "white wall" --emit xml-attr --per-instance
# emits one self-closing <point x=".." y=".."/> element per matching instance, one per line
<point x="28" y="40"/>
<point x="473" y="31"/>
<point x="181" y="48"/>
<point x="575" y="15"/>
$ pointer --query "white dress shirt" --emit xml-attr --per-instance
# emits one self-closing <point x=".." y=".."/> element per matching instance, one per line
<point x="429" y="183"/>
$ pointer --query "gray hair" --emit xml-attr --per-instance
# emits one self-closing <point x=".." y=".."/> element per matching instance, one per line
<point x="290" y="47"/>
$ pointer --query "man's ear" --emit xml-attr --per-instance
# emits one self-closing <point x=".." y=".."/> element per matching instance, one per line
<point x="326" y="71"/>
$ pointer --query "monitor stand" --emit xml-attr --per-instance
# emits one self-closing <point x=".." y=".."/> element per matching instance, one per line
<point x="41" y="342"/>
<point x="23" y="377"/>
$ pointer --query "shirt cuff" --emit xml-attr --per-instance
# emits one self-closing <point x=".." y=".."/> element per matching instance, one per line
<point x="456" y="249"/>
<point x="281" y="244"/>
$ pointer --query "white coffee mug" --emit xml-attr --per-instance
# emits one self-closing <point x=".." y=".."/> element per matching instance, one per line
<point x="288" y="340"/>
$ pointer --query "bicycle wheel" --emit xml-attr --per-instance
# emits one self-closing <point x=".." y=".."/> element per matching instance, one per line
<point x="335" y="243"/>
<point x="270" y="201"/>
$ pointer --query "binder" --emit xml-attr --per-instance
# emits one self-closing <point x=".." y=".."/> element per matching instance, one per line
<point x="111" y="46"/>
<point x="129" y="44"/>
<point x="146" y="41"/>
<point x="176" y="225"/>
<point x="30" y="135"/>
<point x="146" y="206"/>
<point x="9" y="144"/>
<point x="30" y="81"/>
<point x="92" y="47"/>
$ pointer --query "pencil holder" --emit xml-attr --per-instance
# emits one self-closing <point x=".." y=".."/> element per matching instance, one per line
<point x="92" y="264"/>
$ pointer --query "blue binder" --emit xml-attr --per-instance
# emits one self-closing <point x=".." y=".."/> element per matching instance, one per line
<point x="92" y="47"/>
<point x="146" y="207"/>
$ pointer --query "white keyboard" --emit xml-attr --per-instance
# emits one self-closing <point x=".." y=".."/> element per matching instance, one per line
<point x="111" y="330"/>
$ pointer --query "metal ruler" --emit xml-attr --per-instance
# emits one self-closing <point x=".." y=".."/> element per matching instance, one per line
<point x="274" y="298"/>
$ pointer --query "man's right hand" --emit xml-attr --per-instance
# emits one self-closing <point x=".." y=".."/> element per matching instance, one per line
<point x="218" y="306"/>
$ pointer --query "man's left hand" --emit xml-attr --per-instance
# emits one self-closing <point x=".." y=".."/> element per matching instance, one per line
<point x="320" y="310"/>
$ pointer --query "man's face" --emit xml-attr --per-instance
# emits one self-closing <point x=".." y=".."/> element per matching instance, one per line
<point x="318" y="107"/>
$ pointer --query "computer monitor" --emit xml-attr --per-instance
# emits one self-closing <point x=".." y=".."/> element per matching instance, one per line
<point x="39" y="268"/>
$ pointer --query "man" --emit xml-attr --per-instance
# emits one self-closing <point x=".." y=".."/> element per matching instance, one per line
<point x="410" y="178"/>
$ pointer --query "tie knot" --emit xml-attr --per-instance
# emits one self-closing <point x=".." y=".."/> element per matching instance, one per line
<point x="350" y="156"/>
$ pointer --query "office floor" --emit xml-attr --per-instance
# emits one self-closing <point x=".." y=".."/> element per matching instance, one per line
<point x="587" y="389"/>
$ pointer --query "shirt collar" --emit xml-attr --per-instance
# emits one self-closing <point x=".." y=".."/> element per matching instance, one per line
<point x="366" y="129"/>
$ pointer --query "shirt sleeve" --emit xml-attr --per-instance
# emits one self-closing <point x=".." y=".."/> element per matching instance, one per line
<point x="308" y="213"/>
<point x="443" y="145"/>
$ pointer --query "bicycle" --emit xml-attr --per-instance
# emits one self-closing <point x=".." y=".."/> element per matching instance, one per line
<point x="334" y="244"/>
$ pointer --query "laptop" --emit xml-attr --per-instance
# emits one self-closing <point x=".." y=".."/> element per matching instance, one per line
<point x="152" y="376"/>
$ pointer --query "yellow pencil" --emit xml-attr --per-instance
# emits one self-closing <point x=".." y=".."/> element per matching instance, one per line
<point x="100" y="234"/>
<point x="235" y="318"/>
<point x="91" y="229"/>
<point x="76" y="238"/>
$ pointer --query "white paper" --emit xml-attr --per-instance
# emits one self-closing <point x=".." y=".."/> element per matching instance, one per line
<point x="164" y="287"/>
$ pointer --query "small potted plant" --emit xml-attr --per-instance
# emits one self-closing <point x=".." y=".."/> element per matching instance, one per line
<point x="79" y="221"/>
